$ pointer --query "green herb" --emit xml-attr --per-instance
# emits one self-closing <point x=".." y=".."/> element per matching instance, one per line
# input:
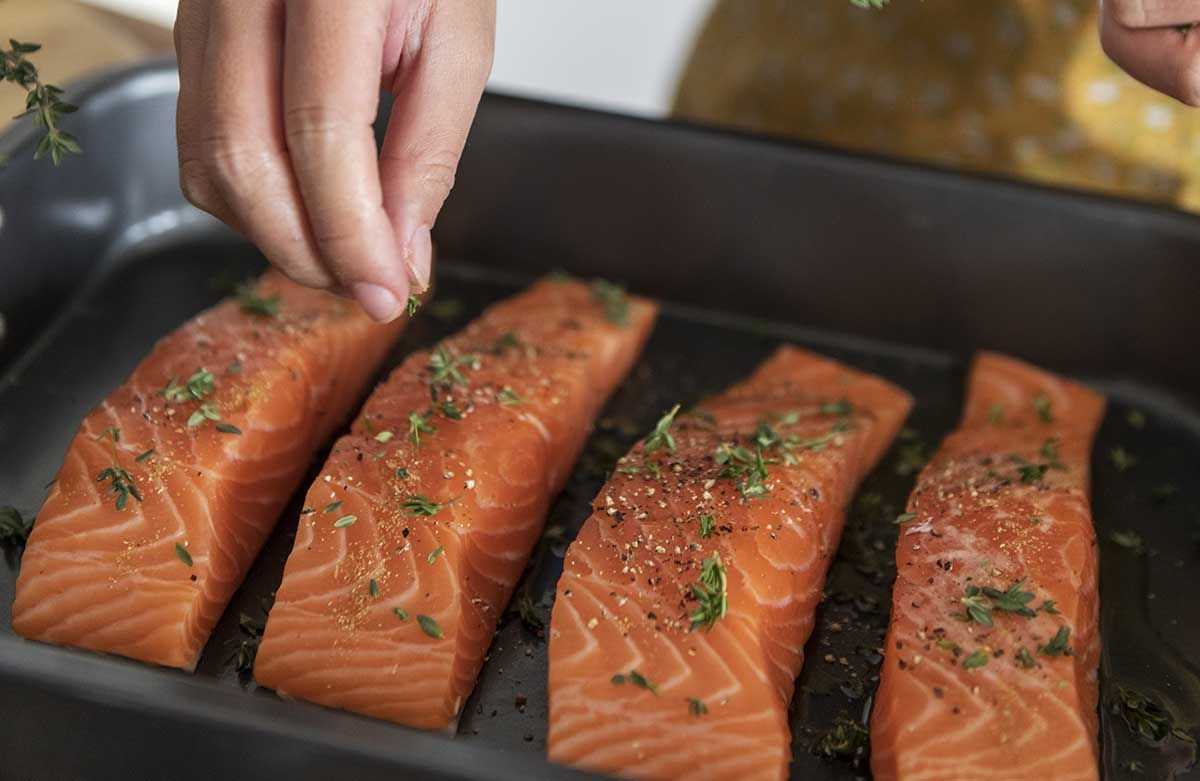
<point x="1034" y="520"/>
<point x="1048" y="607"/>
<point x="748" y="470"/>
<point x="613" y="299"/>
<point x="1127" y="539"/>
<point x="504" y="341"/>
<point x="1024" y="658"/>
<point x="905" y="517"/>
<point x="996" y="413"/>
<point x="847" y="738"/>
<point x="122" y="486"/>
<point x="374" y="587"/>
<point x="528" y="613"/>
<point x="697" y="707"/>
<point x="254" y="304"/>
<point x="438" y="551"/>
<point x="1041" y="405"/>
<point x="1031" y="474"/>
<point x="981" y="602"/>
<point x="1122" y="459"/>
<point x="711" y="593"/>
<point x="429" y="626"/>
<point x="450" y="411"/>
<point x="911" y="457"/>
<point x="248" y="647"/>
<point x="332" y="506"/>
<point x="818" y="443"/>
<point x="113" y="433"/>
<point x="401" y="612"/>
<point x="948" y="645"/>
<point x="1058" y="644"/>
<point x="1136" y="419"/>
<point x="707" y="524"/>
<point x="978" y="608"/>
<point x="419" y="424"/>
<point x="637" y="679"/>
<point x="228" y="428"/>
<point x="977" y="659"/>
<point x="234" y="368"/>
<point x="446" y="309"/>
<point x="444" y="368"/>
<point x="207" y="411"/>
<point x="13" y="529"/>
<point x="841" y="407"/>
<point x="507" y="397"/>
<point x="183" y="554"/>
<point x="402" y="473"/>
<point x="344" y="521"/>
<point x="413" y="305"/>
<point x="197" y="387"/>
<point x="144" y="456"/>
<point x="1049" y="449"/>
<point x="384" y="436"/>
<point x="661" y="436"/>
<point x="43" y="101"/>
<point x="418" y="504"/>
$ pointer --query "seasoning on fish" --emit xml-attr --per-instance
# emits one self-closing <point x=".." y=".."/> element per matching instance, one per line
<point x="698" y="575"/>
<point x="447" y="512"/>
<point x="173" y="483"/>
<point x="990" y="664"/>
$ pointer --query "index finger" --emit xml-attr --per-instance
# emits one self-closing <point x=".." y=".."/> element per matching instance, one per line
<point x="332" y="66"/>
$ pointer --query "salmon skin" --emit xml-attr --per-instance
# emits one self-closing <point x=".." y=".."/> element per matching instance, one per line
<point x="172" y="484"/>
<point x="681" y="617"/>
<point x="991" y="657"/>
<point x="425" y="515"/>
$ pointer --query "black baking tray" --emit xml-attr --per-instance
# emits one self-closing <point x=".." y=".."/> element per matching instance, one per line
<point x="896" y="269"/>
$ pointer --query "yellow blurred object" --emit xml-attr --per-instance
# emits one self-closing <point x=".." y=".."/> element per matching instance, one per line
<point x="1019" y="88"/>
<point x="75" y="40"/>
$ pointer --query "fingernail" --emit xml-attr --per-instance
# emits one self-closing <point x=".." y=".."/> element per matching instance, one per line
<point x="378" y="301"/>
<point x="420" y="254"/>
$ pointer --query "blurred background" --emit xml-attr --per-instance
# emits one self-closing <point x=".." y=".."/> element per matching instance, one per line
<point x="1016" y="88"/>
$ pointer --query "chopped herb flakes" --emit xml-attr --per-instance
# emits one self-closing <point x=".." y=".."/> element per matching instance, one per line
<point x="1145" y="717"/>
<point x="1130" y="540"/>
<point x="847" y="739"/>
<point x="748" y="470"/>
<point x="401" y="613"/>
<point x="373" y="587"/>
<point x="1058" y="645"/>
<point x="661" y="436"/>
<point x="444" y="369"/>
<point x="1024" y="658"/>
<point x="1122" y="459"/>
<point x="228" y="428"/>
<point x="996" y="413"/>
<point x="697" y="707"/>
<point x="614" y="300"/>
<point x="144" y="456"/>
<point x="254" y="304"/>
<point x="507" y="397"/>
<point x="911" y="455"/>
<point x="413" y="305"/>
<point x="344" y="521"/>
<point x="438" y="551"/>
<point x="905" y="517"/>
<point x="711" y="592"/>
<point x="196" y="388"/>
<point x="332" y="507"/>
<point x="638" y="680"/>
<point x="419" y="424"/>
<point x="1136" y="419"/>
<point x="207" y="411"/>
<point x="13" y="529"/>
<point x="183" y="554"/>
<point x="429" y="626"/>
<point x="978" y="658"/>
<point x="504" y="341"/>
<point x="122" y="486"/>
<point x="707" y="524"/>
<point x="1041" y="405"/>
<point x="384" y="436"/>
<point x="979" y="603"/>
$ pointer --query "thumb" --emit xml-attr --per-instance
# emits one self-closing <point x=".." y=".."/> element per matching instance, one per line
<point x="436" y="90"/>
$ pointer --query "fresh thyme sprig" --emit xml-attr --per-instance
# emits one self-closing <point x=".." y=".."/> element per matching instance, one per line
<point x="122" y="486"/>
<point x="13" y="528"/>
<point x="419" y="504"/>
<point x="43" y="101"/>
<point x="712" y="594"/>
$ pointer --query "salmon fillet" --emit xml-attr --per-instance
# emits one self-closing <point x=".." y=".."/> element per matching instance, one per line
<point x="990" y="663"/>
<point x="681" y="617"/>
<point x="173" y="482"/>
<point x="425" y="515"/>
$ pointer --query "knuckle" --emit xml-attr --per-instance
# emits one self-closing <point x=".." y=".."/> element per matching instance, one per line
<point x="312" y="122"/>
<point x="431" y="171"/>
<point x="234" y="165"/>
<point x="195" y="184"/>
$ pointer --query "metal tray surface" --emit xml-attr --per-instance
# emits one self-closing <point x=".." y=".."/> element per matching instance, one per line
<point x="895" y="269"/>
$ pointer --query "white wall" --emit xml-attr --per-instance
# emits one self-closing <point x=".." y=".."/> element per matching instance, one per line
<point x="622" y="55"/>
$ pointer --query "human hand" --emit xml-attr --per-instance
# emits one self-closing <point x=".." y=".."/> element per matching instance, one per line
<point x="276" y="104"/>
<point x="1154" y="41"/>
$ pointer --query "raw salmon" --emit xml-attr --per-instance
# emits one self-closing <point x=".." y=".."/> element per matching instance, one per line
<point x="425" y="515"/>
<point x="686" y="600"/>
<point x="990" y="664"/>
<point x="172" y="484"/>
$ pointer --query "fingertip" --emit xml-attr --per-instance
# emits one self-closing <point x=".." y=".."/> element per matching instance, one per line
<point x="380" y="304"/>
